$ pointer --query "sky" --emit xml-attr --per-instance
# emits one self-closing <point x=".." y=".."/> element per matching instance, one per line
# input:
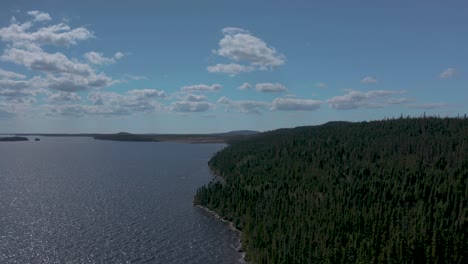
<point x="215" y="66"/>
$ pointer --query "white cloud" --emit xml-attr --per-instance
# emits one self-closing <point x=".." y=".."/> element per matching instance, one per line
<point x="448" y="73"/>
<point x="17" y="96"/>
<point x="98" y="58"/>
<point x="232" y="68"/>
<point x="239" y="45"/>
<point x="13" y="90"/>
<point x="321" y="85"/>
<point x="233" y="30"/>
<point x="248" y="107"/>
<point x="46" y="62"/>
<point x="270" y="87"/>
<point x="401" y="100"/>
<point x="188" y="106"/>
<point x="147" y="94"/>
<point x="58" y="35"/>
<point x="202" y="88"/>
<point x="39" y="16"/>
<point x="64" y="97"/>
<point x="356" y="99"/>
<point x="10" y="75"/>
<point x="73" y="83"/>
<point x="14" y="84"/>
<point x="111" y="103"/>
<point x="78" y="110"/>
<point x="118" y="55"/>
<point x="245" y="86"/>
<point x="293" y="104"/>
<point x="369" y="80"/>
<point x="62" y="73"/>
<point x="24" y="46"/>
<point x="195" y="98"/>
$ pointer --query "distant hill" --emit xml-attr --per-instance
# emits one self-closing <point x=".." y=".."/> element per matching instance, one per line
<point x="239" y="132"/>
<point x="187" y="138"/>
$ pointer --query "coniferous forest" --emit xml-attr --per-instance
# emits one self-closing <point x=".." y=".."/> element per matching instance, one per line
<point x="393" y="191"/>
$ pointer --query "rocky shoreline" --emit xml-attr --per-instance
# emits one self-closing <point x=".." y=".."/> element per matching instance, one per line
<point x="231" y="226"/>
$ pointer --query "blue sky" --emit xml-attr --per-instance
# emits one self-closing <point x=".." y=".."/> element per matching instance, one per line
<point x="214" y="66"/>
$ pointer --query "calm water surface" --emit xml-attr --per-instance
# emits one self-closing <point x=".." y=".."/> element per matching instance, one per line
<point x="79" y="200"/>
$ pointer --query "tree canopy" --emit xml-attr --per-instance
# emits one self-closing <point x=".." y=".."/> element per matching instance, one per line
<point x="393" y="191"/>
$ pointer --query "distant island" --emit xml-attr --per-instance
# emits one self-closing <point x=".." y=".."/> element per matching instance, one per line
<point x="14" y="139"/>
<point x="392" y="191"/>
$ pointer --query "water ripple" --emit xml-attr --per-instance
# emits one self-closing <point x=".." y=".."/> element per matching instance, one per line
<point x="76" y="200"/>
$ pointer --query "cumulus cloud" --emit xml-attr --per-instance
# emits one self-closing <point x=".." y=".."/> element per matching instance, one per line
<point x="270" y="87"/>
<point x="98" y="58"/>
<point x="73" y="83"/>
<point x="321" y="85"/>
<point x="448" y="73"/>
<point x="45" y="62"/>
<point x="369" y="80"/>
<point x="188" y="106"/>
<point x="111" y="103"/>
<point x="293" y="104"/>
<point x="356" y="99"/>
<point x="19" y="96"/>
<point x="245" y="86"/>
<point x="20" y="90"/>
<point x="64" y="97"/>
<point x="195" y="98"/>
<point x="233" y="31"/>
<point x="78" y="110"/>
<point x="15" y="84"/>
<point x="10" y="75"/>
<point x="232" y="68"/>
<point x="59" y="72"/>
<point x="188" y="102"/>
<point x="248" y="107"/>
<point x="239" y="45"/>
<point x="202" y="88"/>
<point x="138" y="99"/>
<point x="59" y="35"/>
<point x="56" y="72"/>
<point x="39" y="16"/>
<point x="402" y="100"/>
<point x="118" y="55"/>
<point x="147" y="94"/>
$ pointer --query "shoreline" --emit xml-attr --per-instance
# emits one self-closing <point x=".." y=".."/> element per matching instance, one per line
<point x="231" y="226"/>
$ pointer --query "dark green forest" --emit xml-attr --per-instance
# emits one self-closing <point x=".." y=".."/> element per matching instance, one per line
<point x="393" y="191"/>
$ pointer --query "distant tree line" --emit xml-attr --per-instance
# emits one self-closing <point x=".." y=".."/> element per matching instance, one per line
<point x="393" y="191"/>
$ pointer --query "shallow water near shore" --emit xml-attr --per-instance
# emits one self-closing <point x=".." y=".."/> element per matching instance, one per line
<point x="78" y="200"/>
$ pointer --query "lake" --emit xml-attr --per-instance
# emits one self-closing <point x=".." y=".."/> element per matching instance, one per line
<point x="80" y="200"/>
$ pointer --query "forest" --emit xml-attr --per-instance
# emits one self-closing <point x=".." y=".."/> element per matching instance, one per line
<point x="390" y="191"/>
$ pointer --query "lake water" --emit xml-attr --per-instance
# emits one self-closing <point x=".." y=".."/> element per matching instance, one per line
<point x="79" y="200"/>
